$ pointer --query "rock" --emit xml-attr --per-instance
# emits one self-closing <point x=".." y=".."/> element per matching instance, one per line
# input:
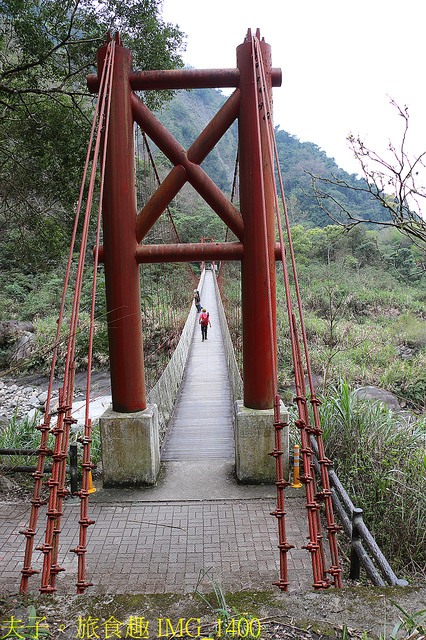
<point x="27" y="390"/>
<point x="42" y="398"/>
<point x="23" y="401"/>
<point x="378" y="395"/>
<point x="6" y="484"/>
<point x="97" y="407"/>
<point x="53" y="408"/>
<point x="406" y="353"/>
<point x="11" y="328"/>
<point x="22" y="347"/>
<point x="32" y="413"/>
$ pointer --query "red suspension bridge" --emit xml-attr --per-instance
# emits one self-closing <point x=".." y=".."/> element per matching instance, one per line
<point x="130" y="430"/>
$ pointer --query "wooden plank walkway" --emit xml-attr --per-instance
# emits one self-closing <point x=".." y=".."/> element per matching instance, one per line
<point x="201" y="427"/>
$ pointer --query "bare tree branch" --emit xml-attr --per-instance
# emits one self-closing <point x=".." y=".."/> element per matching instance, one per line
<point x="393" y="183"/>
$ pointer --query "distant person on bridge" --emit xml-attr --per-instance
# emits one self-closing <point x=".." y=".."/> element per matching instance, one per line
<point x="197" y="300"/>
<point x="204" y="321"/>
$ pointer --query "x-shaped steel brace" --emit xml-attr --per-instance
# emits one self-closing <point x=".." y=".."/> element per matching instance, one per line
<point x="187" y="167"/>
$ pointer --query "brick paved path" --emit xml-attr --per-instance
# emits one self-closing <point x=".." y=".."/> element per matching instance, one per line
<point x="161" y="547"/>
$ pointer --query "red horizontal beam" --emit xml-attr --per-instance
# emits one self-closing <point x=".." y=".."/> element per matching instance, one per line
<point x="189" y="252"/>
<point x="150" y="253"/>
<point x="183" y="79"/>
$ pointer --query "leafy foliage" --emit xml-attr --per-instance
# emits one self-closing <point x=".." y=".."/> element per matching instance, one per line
<point x="46" y="50"/>
<point x="364" y="320"/>
<point x="297" y="162"/>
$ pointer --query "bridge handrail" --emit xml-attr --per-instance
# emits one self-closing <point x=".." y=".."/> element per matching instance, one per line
<point x="234" y="372"/>
<point x="164" y="393"/>
<point x="356" y="529"/>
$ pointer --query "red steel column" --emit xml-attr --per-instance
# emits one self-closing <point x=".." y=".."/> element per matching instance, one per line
<point x="259" y="352"/>
<point x="119" y="228"/>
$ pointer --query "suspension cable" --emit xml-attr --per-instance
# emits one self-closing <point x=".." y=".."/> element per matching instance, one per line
<point x="87" y="465"/>
<point x="314" y="534"/>
<point x="277" y="453"/>
<point x="315" y="545"/>
<point x="64" y="410"/>
<point x="56" y="483"/>
<point x="36" y="502"/>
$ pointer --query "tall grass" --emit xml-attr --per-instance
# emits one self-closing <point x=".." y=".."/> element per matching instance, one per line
<point x="380" y="458"/>
<point x="21" y="434"/>
<point x="363" y="326"/>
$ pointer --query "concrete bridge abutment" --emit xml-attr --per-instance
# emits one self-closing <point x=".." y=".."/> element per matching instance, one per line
<point x="130" y="447"/>
<point x="254" y="441"/>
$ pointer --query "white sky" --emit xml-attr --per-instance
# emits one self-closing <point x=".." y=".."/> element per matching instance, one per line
<point x="341" y="62"/>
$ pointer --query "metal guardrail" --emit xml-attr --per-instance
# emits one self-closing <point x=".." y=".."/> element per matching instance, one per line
<point x="356" y="529"/>
<point x="71" y="469"/>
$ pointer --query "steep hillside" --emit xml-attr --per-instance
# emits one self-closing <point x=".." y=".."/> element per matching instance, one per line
<point x="187" y="115"/>
<point x="190" y="111"/>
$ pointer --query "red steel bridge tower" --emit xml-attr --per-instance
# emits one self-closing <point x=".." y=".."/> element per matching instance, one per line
<point x="125" y="228"/>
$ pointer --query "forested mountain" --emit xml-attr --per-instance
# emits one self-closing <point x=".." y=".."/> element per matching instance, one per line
<point x="187" y="115"/>
<point x="190" y="111"/>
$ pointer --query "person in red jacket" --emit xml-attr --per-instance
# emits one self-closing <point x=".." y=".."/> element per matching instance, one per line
<point x="204" y="321"/>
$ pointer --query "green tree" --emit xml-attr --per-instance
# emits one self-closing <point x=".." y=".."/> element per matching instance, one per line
<point x="302" y="244"/>
<point x="47" y="47"/>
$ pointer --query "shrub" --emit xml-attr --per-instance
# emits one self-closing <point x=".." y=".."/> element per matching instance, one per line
<point x="45" y="341"/>
<point x="380" y="459"/>
<point x="20" y="434"/>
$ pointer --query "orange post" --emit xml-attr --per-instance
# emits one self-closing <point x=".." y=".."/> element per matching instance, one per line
<point x="296" y="482"/>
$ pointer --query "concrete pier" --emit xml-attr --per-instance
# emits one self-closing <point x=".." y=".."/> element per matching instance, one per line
<point x="130" y="447"/>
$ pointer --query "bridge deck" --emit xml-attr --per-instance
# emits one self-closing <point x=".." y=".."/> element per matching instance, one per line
<point x="201" y="426"/>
